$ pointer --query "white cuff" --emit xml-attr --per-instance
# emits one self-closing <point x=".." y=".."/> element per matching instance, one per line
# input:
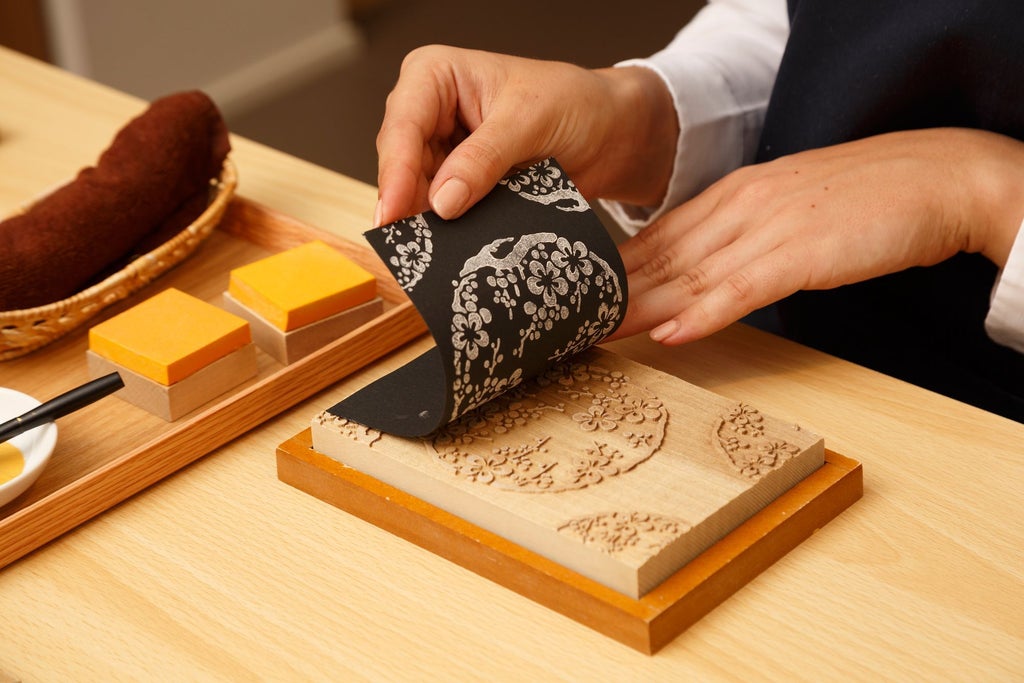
<point x="719" y="70"/>
<point x="1005" y="320"/>
<point x="632" y="218"/>
<point x="710" y="142"/>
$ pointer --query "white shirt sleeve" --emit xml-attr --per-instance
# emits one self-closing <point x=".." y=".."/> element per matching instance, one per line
<point x="720" y="69"/>
<point x="1005" y="320"/>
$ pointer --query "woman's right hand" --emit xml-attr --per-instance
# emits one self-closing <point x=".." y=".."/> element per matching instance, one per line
<point x="458" y="120"/>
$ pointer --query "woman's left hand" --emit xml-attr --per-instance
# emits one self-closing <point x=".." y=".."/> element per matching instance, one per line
<point x="821" y="219"/>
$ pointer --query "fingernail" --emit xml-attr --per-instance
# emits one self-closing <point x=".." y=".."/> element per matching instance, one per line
<point x="450" y="198"/>
<point x="378" y="213"/>
<point x="664" y="330"/>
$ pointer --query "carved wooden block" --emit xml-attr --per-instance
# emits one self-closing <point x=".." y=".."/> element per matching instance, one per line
<point x="608" y="467"/>
<point x="288" y="347"/>
<point x="646" y="624"/>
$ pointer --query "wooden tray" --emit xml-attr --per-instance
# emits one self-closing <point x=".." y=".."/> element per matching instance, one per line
<point x="111" y="449"/>
<point x="646" y="624"/>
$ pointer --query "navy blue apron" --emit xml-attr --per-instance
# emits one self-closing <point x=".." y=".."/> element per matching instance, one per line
<point x="853" y="69"/>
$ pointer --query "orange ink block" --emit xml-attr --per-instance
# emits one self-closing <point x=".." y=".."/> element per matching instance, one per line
<point x="302" y="285"/>
<point x="169" y="336"/>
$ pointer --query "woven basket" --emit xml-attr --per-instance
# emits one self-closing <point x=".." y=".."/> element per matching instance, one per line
<point x="28" y="329"/>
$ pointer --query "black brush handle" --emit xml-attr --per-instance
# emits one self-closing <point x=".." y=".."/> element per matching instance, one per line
<point x="68" y="402"/>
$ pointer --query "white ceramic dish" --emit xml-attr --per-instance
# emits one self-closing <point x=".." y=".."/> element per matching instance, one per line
<point x="36" y="445"/>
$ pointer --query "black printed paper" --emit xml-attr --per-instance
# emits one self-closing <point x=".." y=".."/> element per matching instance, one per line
<point x="526" y="278"/>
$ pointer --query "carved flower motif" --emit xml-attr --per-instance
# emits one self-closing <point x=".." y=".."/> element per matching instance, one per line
<point x="457" y="434"/>
<point x="577" y="394"/>
<point x="732" y="444"/>
<point x="594" y="466"/>
<point x="514" y="417"/>
<point x="615" y="380"/>
<point x="635" y="410"/>
<point x="741" y="435"/>
<point x="775" y="453"/>
<point x="485" y="469"/>
<point x="638" y="440"/>
<point x="541" y="481"/>
<point x="619" y="533"/>
<point x="755" y="463"/>
<point x="351" y="430"/>
<point x="746" y="420"/>
<point x="596" y="417"/>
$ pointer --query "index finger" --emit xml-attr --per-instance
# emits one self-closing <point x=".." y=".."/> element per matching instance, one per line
<point x="418" y="111"/>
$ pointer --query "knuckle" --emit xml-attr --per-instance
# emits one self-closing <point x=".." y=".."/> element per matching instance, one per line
<point x="481" y="157"/>
<point x="754" y="190"/>
<point x="382" y="135"/>
<point x="740" y="287"/>
<point x="425" y="54"/>
<point x="389" y="103"/>
<point x="649" y="236"/>
<point x="657" y="267"/>
<point x="649" y="241"/>
<point x="694" y="282"/>
<point x="395" y="129"/>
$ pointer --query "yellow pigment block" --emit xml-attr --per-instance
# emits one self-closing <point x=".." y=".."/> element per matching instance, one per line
<point x="169" y="336"/>
<point x="301" y="285"/>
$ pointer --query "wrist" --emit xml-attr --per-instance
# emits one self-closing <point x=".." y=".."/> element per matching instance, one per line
<point x="639" y="150"/>
<point x="997" y="198"/>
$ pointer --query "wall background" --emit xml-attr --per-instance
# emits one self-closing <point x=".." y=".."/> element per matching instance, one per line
<point x="333" y="119"/>
<point x="310" y="76"/>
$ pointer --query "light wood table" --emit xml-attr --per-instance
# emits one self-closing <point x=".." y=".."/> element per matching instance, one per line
<point x="223" y="572"/>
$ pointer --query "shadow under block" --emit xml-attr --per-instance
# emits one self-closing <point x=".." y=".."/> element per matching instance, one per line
<point x="288" y="347"/>
<point x="609" y="467"/>
<point x="175" y="400"/>
<point x="646" y="624"/>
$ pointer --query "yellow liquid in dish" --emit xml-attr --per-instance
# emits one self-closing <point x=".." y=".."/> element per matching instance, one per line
<point x="11" y="462"/>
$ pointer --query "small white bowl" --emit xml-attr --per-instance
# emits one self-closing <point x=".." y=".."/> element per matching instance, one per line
<point x="36" y="445"/>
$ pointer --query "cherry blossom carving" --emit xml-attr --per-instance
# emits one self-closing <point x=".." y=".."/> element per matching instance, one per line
<point x="636" y="534"/>
<point x="741" y="436"/>
<point x="601" y="425"/>
<point x="349" y="429"/>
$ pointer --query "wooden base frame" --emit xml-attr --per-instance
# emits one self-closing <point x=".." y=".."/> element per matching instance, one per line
<point x="647" y="624"/>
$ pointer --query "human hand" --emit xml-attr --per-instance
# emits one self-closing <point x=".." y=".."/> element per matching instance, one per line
<point x="821" y="219"/>
<point x="458" y="120"/>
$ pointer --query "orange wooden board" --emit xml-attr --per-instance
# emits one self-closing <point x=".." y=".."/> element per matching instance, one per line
<point x="646" y="624"/>
<point x="110" y="450"/>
